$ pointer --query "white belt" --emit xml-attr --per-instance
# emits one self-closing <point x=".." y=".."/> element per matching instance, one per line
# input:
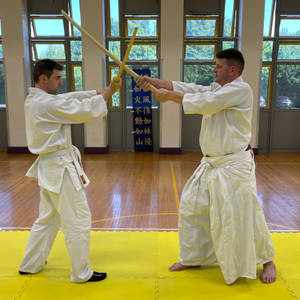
<point x="76" y="160"/>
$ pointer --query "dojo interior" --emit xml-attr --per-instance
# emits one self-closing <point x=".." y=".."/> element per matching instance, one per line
<point x="134" y="193"/>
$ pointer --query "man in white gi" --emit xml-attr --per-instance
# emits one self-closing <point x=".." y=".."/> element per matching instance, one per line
<point x="58" y="169"/>
<point x="220" y="218"/>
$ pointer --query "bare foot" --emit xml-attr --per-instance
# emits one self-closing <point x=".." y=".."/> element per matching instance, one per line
<point x="268" y="274"/>
<point x="179" y="267"/>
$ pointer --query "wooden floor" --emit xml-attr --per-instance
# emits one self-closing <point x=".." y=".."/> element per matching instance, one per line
<point x="141" y="191"/>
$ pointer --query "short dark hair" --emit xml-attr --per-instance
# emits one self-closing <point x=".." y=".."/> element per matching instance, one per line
<point x="233" y="57"/>
<point x="45" y="66"/>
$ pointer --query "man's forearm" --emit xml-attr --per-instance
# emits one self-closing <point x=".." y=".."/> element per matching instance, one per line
<point x="176" y="97"/>
<point x="161" y="83"/>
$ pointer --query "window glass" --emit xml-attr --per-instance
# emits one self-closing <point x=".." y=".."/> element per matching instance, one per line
<point x="197" y="27"/>
<point x="76" y="51"/>
<point x="268" y="17"/>
<point x="0" y="29"/>
<point x="265" y="86"/>
<point x="229" y="18"/>
<point x="200" y="51"/>
<point x="1" y="51"/>
<point x="154" y="74"/>
<point x="199" y="74"/>
<point x="289" y="27"/>
<point x="267" y="50"/>
<point x="146" y="27"/>
<point x="287" y="86"/>
<point x="52" y="51"/>
<point x="227" y="45"/>
<point x="115" y="101"/>
<point x="289" y="51"/>
<point x="114" y="48"/>
<point x="143" y="52"/>
<point x="2" y="94"/>
<point x="75" y="5"/>
<point x="76" y="78"/>
<point x="49" y="27"/>
<point x="114" y="18"/>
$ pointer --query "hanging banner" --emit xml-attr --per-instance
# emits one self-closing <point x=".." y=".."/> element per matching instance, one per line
<point x="142" y="115"/>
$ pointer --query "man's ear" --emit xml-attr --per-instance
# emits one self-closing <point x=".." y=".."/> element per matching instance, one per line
<point x="234" y="69"/>
<point x="43" y="77"/>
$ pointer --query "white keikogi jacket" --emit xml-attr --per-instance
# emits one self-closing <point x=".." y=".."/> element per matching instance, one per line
<point x="227" y="114"/>
<point x="48" y="129"/>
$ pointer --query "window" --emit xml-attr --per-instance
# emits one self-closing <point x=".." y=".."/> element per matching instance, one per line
<point x="144" y="52"/>
<point x="289" y="51"/>
<point x="116" y="97"/>
<point x="201" y="26"/>
<point x="76" y="78"/>
<point x="287" y="87"/>
<point x="47" y="26"/>
<point x="230" y="18"/>
<point x="264" y="99"/>
<point x="281" y="52"/>
<point x="289" y="26"/>
<point x="200" y="51"/>
<point x="54" y="37"/>
<point x="53" y="50"/>
<point x="204" y="36"/>
<point x="269" y="19"/>
<point x="147" y="25"/>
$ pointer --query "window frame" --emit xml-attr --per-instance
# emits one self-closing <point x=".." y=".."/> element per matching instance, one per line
<point x="34" y="43"/>
<point x="277" y="39"/>
<point x="217" y="40"/>
<point x="146" y="44"/>
<point x="268" y="65"/>
<point x="110" y="66"/>
<point x="141" y="18"/>
<point x="66" y="39"/>
<point x="123" y="38"/>
<point x="200" y="43"/>
<point x="73" y="65"/>
<point x="46" y="17"/>
<point x="186" y="18"/>
<point x="287" y="43"/>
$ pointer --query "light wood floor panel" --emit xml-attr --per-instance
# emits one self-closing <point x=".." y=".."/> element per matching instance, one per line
<point x="142" y="190"/>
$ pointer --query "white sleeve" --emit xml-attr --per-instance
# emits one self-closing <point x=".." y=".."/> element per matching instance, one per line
<point x="184" y="87"/>
<point x="211" y="102"/>
<point x="72" y="108"/>
<point x="78" y="95"/>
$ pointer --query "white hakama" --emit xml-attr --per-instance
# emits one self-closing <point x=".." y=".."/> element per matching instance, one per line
<point x="221" y="218"/>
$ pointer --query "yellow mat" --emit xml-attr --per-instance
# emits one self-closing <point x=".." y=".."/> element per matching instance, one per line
<point x="137" y="263"/>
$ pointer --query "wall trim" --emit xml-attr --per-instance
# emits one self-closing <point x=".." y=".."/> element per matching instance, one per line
<point x="169" y="150"/>
<point x="95" y="150"/>
<point x="23" y="150"/>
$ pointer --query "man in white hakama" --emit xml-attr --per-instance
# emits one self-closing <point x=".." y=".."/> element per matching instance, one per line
<point x="58" y="169"/>
<point x="220" y="217"/>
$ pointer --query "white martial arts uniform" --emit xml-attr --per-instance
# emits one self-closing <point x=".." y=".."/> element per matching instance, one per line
<point x="60" y="176"/>
<point x="220" y="215"/>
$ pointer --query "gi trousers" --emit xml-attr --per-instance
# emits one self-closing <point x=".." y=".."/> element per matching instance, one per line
<point x="68" y="209"/>
<point x="220" y="217"/>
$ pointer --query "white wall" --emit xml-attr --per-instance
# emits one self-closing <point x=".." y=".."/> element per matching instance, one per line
<point x="93" y="67"/>
<point x="250" y="44"/>
<point x="13" y="14"/>
<point x="171" y="55"/>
